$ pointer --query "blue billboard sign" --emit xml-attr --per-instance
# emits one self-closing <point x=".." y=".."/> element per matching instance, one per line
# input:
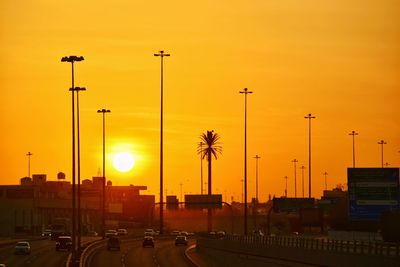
<point x="372" y="191"/>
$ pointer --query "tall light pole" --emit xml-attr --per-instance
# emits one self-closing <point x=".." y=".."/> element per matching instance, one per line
<point x="103" y="203"/>
<point x="257" y="157"/>
<point x="72" y="60"/>
<point x="302" y="178"/>
<point x="245" y="92"/>
<point x="326" y="183"/>
<point x="161" y="54"/>
<point x="382" y="142"/>
<point x="353" y="133"/>
<point x="286" y="186"/>
<point x="29" y="163"/>
<point x="295" y="181"/>
<point x="77" y="89"/>
<point x="201" y="168"/>
<point x="309" y="117"/>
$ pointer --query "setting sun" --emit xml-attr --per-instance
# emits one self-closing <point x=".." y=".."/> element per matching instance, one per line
<point x="123" y="161"/>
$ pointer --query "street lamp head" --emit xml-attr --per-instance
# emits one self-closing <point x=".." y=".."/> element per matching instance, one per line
<point x="103" y="110"/>
<point x="309" y="116"/>
<point x="162" y="54"/>
<point x="72" y="58"/>
<point x="245" y="91"/>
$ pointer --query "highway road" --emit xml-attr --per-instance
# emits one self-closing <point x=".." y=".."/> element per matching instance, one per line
<point x="43" y="253"/>
<point x="164" y="254"/>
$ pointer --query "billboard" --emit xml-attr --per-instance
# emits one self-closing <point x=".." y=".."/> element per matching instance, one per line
<point x="203" y="201"/>
<point x="372" y="191"/>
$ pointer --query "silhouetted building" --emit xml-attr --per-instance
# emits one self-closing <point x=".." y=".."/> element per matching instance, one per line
<point x="34" y="204"/>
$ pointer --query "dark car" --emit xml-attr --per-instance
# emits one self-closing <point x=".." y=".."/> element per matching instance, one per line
<point x="64" y="243"/>
<point x="113" y="243"/>
<point x="148" y="241"/>
<point x="181" y="240"/>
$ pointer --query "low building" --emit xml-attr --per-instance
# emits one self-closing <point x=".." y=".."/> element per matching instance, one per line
<point x="36" y="203"/>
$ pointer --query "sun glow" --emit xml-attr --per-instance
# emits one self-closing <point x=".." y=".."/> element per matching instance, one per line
<point x="123" y="161"/>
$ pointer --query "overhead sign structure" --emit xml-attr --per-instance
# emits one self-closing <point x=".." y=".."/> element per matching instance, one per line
<point x="372" y="191"/>
<point x="203" y="201"/>
<point x="285" y="204"/>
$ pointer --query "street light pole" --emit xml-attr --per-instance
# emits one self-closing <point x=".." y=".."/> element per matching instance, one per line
<point x="326" y="184"/>
<point x="353" y="133"/>
<point x="77" y="89"/>
<point x="103" y="204"/>
<point x="201" y="167"/>
<point x="302" y="178"/>
<point x="257" y="157"/>
<point x="29" y="163"/>
<point x="382" y="142"/>
<point x="72" y="59"/>
<point x="309" y="117"/>
<point x="245" y="92"/>
<point x="161" y="54"/>
<point x="286" y="186"/>
<point x="295" y="181"/>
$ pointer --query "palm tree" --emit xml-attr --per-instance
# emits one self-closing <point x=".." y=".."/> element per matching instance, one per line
<point x="210" y="147"/>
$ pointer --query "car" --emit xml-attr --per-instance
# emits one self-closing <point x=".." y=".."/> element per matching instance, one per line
<point x="22" y="247"/>
<point x="148" y="241"/>
<point x="110" y="233"/>
<point x="221" y="234"/>
<point x="175" y="232"/>
<point x="183" y="233"/>
<point x="64" y="243"/>
<point x="122" y="232"/>
<point x="149" y="232"/>
<point x="47" y="233"/>
<point x="113" y="243"/>
<point x="181" y="240"/>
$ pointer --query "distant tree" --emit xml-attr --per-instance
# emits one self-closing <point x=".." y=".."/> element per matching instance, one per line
<point x="210" y="147"/>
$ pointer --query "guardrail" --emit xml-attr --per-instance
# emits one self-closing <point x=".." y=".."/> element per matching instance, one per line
<point x="296" y="249"/>
<point x="340" y="246"/>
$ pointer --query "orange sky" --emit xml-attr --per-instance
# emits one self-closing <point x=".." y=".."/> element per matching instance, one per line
<point x="339" y="60"/>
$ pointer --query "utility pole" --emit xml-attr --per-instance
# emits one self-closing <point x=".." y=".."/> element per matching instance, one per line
<point x="29" y="163"/>
<point x="295" y="180"/>
<point x="309" y="117"/>
<point x="353" y="133"/>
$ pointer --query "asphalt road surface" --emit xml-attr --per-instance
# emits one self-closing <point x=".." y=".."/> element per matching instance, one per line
<point x="164" y="254"/>
<point x="43" y="253"/>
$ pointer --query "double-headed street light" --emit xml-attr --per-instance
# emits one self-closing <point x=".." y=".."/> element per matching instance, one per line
<point x="72" y="60"/>
<point x="77" y="89"/>
<point x="245" y="92"/>
<point x="286" y="186"/>
<point x="103" y="203"/>
<point x="326" y="183"/>
<point x="295" y="179"/>
<point x="309" y="117"/>
<point x="382" y="142"/>
<point x="29" y="163"/>
<point x="161" y="54"/>
<point x="353" y="133"/>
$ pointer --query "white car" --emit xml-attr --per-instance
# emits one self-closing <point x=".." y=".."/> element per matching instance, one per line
<point x="22" y="247"/>
<point x="149" y="232"/>
<point x="110" y="233"/>
<point x="122" y="232"/>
